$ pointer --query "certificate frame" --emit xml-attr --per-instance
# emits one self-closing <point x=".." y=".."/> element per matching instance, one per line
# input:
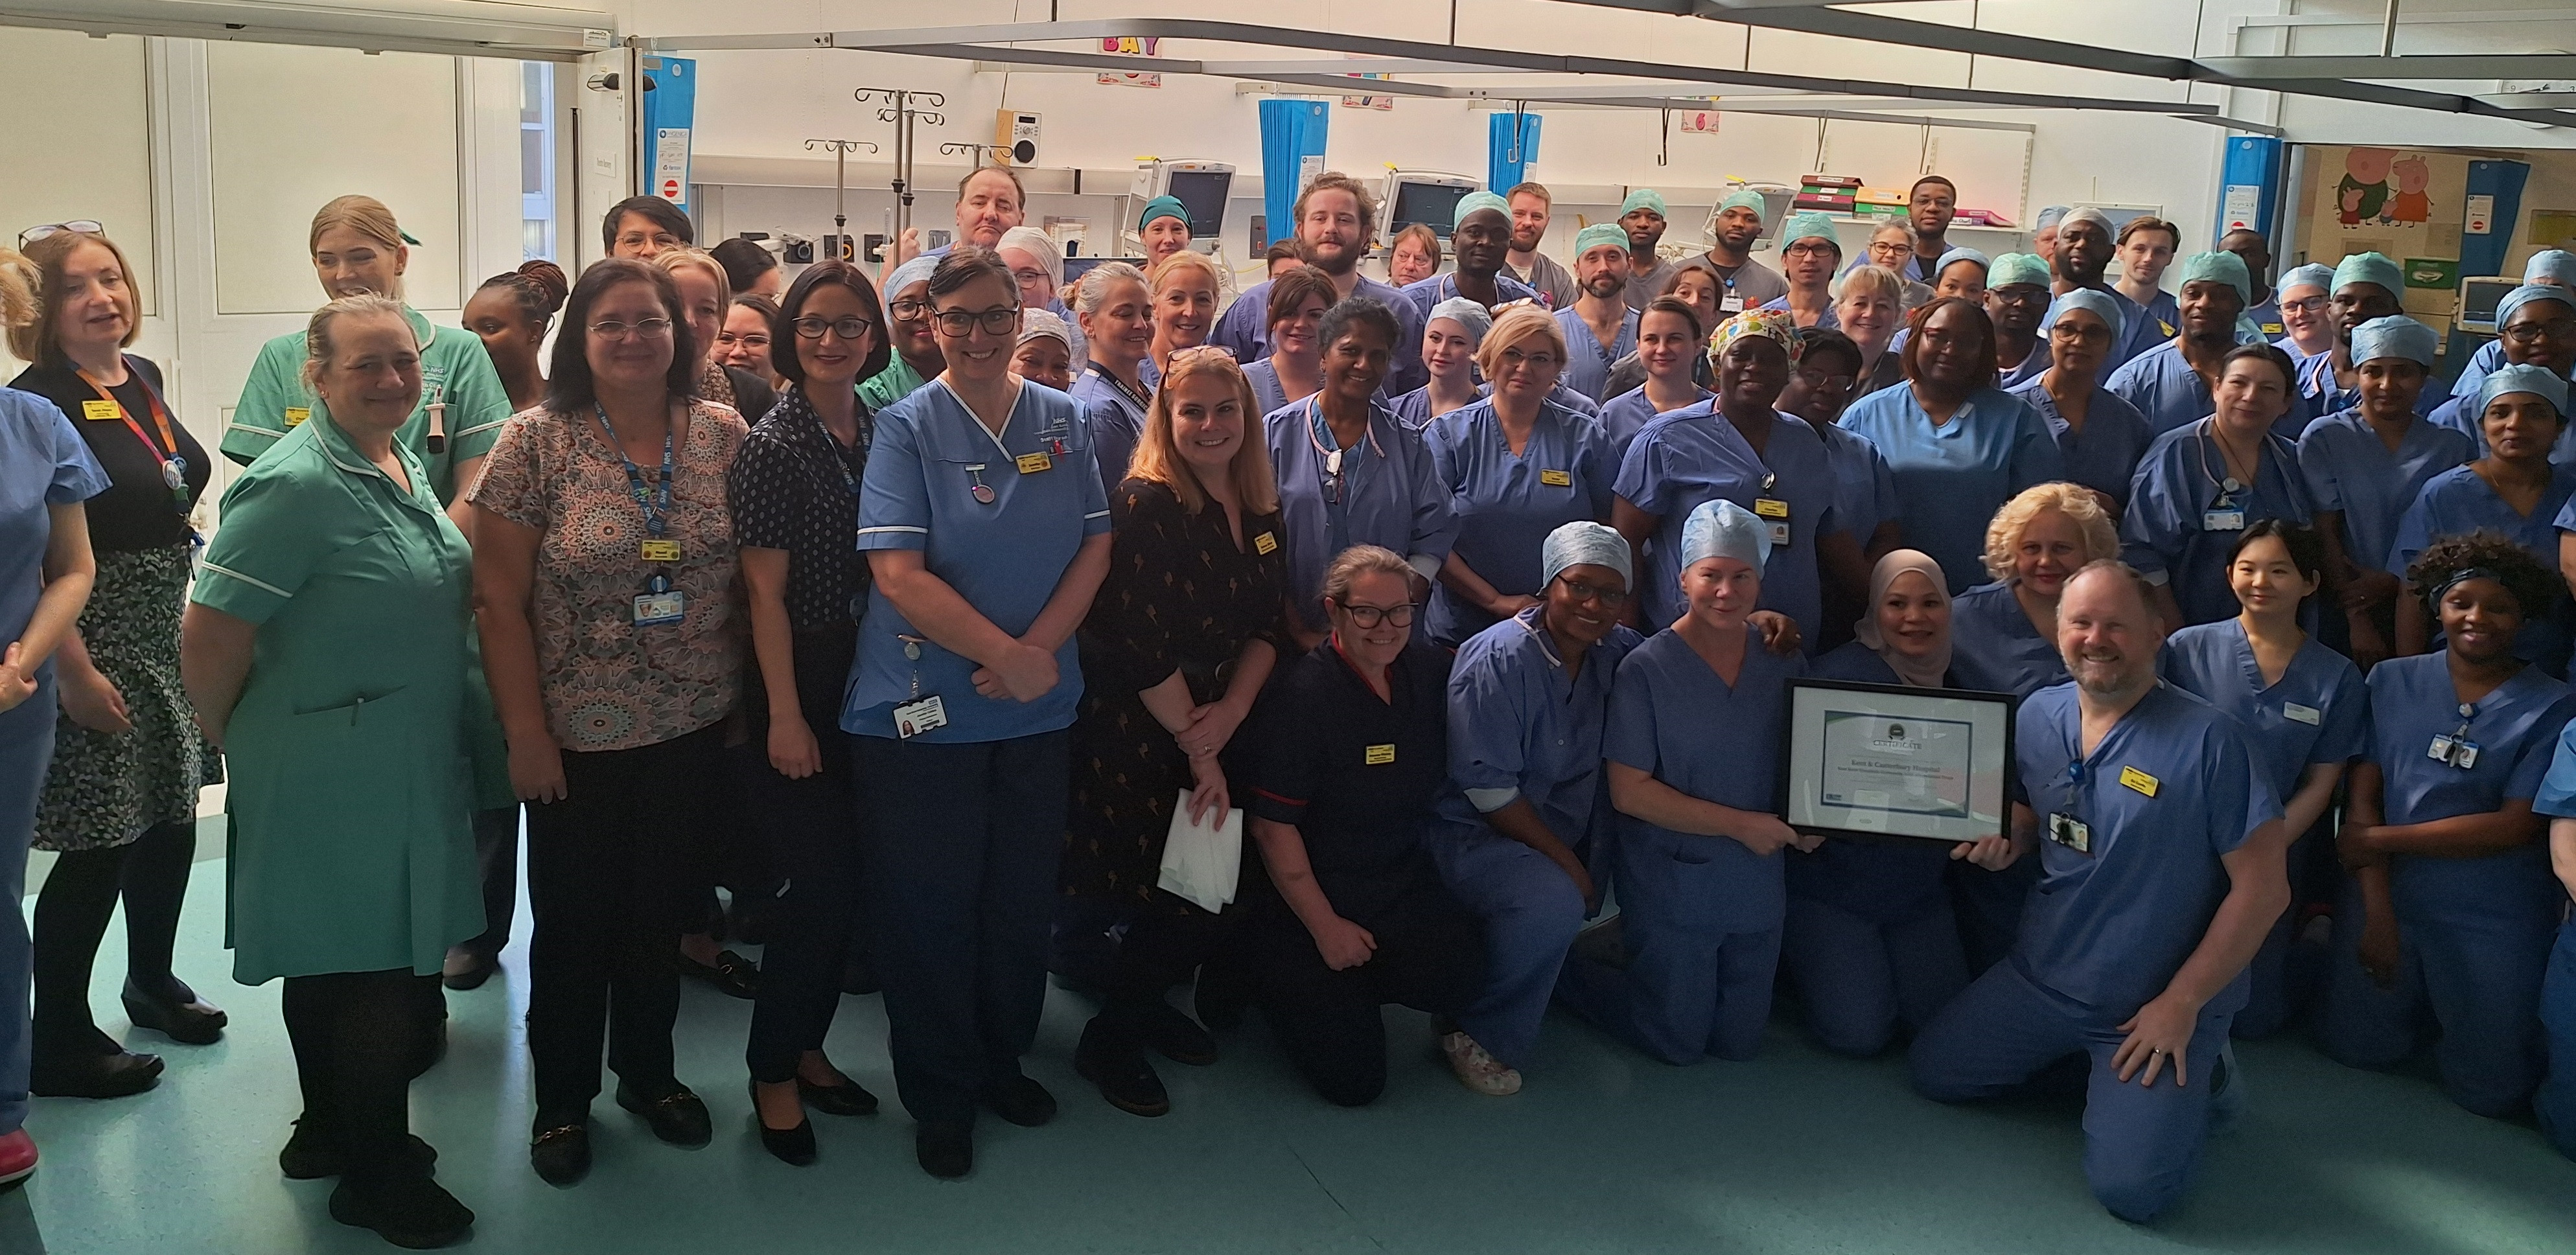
<point x="1945" y="757"/>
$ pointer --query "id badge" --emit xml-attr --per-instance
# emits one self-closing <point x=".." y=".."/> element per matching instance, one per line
<point x="1032" y="463"/>
<point x="913" y="718"/>
<point x="2222" y="521"/>
<point x="101" y="411"/>
<point x="1557" y="479"/>
<point x="1732" y="304"/>
<point x="2073" y="833"/>
<point x="2441" y="749"/>
<point x="655" y="609"/>
<point x="661" y="551"/>
<point x="2464" y="754"/>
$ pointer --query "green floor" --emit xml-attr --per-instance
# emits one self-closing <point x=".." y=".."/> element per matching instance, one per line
<point x="1604" y="1152"/>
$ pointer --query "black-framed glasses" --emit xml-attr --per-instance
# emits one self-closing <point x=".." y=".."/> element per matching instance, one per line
<point x="1582" y="590"/>
<point x="958" y="322"/>
<point x="849" y="328"/>
<point x="2304" y="305"/>
<point x="909" y="308"/>
<point x="1371" y="616"/>
<point x="649" y="328"/>
<point x="2535" y="332"/>
<point x="82" y="226"/>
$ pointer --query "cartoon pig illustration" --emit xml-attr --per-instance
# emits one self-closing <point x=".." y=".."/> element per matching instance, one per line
<point x="2365" y="171"/>
<point x="2411" y="204"/>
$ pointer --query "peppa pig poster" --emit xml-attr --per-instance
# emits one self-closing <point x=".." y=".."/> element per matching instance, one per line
<point x="2406" y="203"/>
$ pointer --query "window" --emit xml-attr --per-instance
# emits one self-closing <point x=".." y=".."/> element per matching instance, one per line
<point x="536" y="160"/>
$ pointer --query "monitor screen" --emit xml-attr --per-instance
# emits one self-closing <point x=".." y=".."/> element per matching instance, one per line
<point x="1434" y="205"/>
<point x="1203" y="193"/>
<point x="2479" y="297"/>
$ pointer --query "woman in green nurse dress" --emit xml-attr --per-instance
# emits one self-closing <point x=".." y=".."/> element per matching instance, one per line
<point x="326" y="649"/>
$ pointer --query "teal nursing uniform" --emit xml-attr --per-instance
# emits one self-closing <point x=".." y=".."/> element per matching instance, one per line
<point x="454" y="372"/>
<point x="352" y="779"/>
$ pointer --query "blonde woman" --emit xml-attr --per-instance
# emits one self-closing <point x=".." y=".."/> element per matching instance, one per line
<point x="1870" y="308"/>
<point x="703" y="292"/>
<point x="1184" y="287"/>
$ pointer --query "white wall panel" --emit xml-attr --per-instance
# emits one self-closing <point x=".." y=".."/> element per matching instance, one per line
<point x="79" y="139"/>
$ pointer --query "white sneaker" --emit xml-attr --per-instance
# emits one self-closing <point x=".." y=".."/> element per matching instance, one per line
<point x="1478" y="1070"/>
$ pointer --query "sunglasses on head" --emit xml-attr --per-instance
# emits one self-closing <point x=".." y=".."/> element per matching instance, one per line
<point x="78" y="226"/>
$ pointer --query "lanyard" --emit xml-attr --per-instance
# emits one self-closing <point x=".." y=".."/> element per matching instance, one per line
<point x="2228" y="486"/>
<point x="174" y="466"/>
<point x="1139" y="399"/>
<point x="656" y="504"/>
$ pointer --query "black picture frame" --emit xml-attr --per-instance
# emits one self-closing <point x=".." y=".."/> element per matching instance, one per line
<point x="1801" y="765"/>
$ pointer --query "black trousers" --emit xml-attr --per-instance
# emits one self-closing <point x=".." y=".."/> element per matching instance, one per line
<point x="1165" y="944"/>
<point x="962" y="843"/>
<point x="496" y="857"/>
<point x="809" y="831"/>
<point x="357" y="1038"/>
<point x="609" y="887"/>
<point x="1430" y="956"/>
<point x="150" y="873"/>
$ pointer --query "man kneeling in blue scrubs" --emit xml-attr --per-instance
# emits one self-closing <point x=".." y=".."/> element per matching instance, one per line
<point x="2163" y="870"/>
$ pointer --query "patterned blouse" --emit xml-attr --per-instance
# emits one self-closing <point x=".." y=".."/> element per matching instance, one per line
<point x="608" y="683"/>
<point x="795" y="488"/>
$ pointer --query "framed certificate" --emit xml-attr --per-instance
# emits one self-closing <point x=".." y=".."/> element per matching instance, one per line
<point x="1883" y="760"/>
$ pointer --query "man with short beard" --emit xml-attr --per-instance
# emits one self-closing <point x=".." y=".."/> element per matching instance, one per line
<point x="1335" y="216"/>
<point x="1599" y="327"/>
<point x="2163" y="867"/>
<point x="2083" y="253"/>
<point x="1530" y="207"/>
<point x="1929" y="207"/>
<point x="1641" y="217"/>
<point x="1480" y="232"/>
<point x="1748" y="283"/>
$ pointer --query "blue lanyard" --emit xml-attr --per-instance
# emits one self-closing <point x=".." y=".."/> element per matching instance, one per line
<point x="657" y="503"/>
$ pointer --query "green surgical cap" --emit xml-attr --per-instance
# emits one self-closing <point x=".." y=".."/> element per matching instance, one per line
<point x="1810" y="226"/>
<point x="2017" y="268"/>
<point x="1746" y="199"/>
<point x="1163" y="207"/>
<point x="1473" y="201"/>
<point x="1645" y="198"/>
<point x="1599" y="235"/>
<point x="2220" y="267"/>
<point x="2369" y="268"/>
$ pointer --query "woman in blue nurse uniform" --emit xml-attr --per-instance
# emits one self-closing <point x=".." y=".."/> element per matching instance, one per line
<point x="2100" y="435"/>
<point x="1870" y="942"/>
<point x="2364" y="466"/>
<point x="2448" y="913"/>
<point x="1348" y="473"/>
<point x="2302" y="706"/>
<point x="1451" y="337"/>
<point x="2556" y="1101"/>
<point x="1116" y="313"/>
<point x="1959" y="446"/>
<point x="1516" y="465"/>
<point x="2202" y="484"/>
<point x="2536" y="324"/>
<point x="2514" y="491"/>
<point x="1669" y="340"/>
<point x="1697" y="714"/>
<point x="1518" y="828"/>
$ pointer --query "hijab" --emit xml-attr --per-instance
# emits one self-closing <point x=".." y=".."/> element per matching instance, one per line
<point x="1925" y="672"/>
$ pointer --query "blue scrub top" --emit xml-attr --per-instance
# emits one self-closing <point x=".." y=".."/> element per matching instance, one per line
<point x="1116" y="420"/>
<point x="2161" y="385"/>
<point x="2168" y="791"/>
<point x="1005" y="558"/>
<point x="1267" y="395"/>
<point x="1244" y="330"/>
<point x="1995" y="649"/>
<point x="1412" y="410"/>
<point x="1505" y="505"/>
<point x="2317" y="389"/>
<point x="2180" y="483"/>
<point x="1826" y="321"/>
<point x="43" y="463"/>
<point x="1951" y="479"/>
<point x="2486" y="361"/>
<point x="1517" y="721"/>
<point x="1864" y="487"/>
<point x="1626" y="414"/>
<point x="2104" y="456"/>
<point x="2318" y="713"/>
<point x="2166" y="312"/>
<point x="1388" y="494"/>
<point x="2348" y="468"/>
<point x="1887" y="882"/>
<point x="2139" y="332"/>
<point x="2265" y="319"/>
<point x="2516" y="727"/>
<point x="2459" y="501"/>
<point x="2010" y="377"/>
<point x="1587" y="364"/>
<point x="1674" y="719"/>
<point x="1693" y="455"/>
<point x="2459" y="413"/>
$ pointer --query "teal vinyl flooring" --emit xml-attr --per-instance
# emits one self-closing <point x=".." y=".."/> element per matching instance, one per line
<point x="1605" y="1151"/>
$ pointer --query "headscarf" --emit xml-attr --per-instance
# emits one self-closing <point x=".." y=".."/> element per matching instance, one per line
<point x="1582" y="543"/>
<point x="1723" y="529"/>
<point x="1810" y="226"/>
<point x="1747" y="198"/>
<point x="2551" y="265"/>
<point x="2017" y="268"/>
<point x="1599" y="235"/>
<point x="2372" y="268"/>
<point x="2313" y="275"/>
<point x="2525" y="295"/>
<point x="2048" y="217"/>
<point x="1037" y="244"/>
<point x="2539" y="381"/>
<point x="1041" y="322"/>
<point x="1925" y="672"/>
<point x="1960" y="254"/>
<point x="1773" y="324"/>
<point x="1466" y="313"/>
<point x="2220" y="267"/>
<point x="1162" y="207"/>
<point x="1473" y="201"/>
<point x="1644" y="198"/>
<point x="915" y="271"/>
<point x="2395" y="336"/>
<point x="2093" y="301"/>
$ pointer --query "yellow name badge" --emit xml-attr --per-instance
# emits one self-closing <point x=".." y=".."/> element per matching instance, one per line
<point x="1771" y="507"/>
<point x="661" y="551"/>
<point x="2138" y="780"/>
<point x="1379" y="755"/>
<point x="296" y="414"/>
<point x="1264" y="543"/>
<point x="1556" y="479"/>
<point x="100" y="411"/>
<point x="1032" y="463"/>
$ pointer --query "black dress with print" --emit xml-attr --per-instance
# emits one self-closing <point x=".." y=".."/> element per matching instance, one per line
<point x="791" y="488"/>
<point x="1180" y="596"/>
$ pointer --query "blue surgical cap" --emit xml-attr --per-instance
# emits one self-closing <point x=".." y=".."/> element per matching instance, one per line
<point x="915" y="271"/>
<point x="2048" y="217"/>
<point x="1723" y="529"/>
<point x="1473" y="201"/>
<point x="1810" y="226"/>
<point x="2029" y="269"/>
<point x="2395" y="336"/>
<point x="2551" y="265"/>
<point x="1163" y="207"/>
<point x="2220" y="267"/>
<point x="1645" y="198"/>
<point x="1746" y="199"/>
<point x="2372" y="268"/>
<point x="2525" y="295"/>
<point x="1582" y="543"/>
<point x="1961" y="254"/>
<point x="1466" y="313"/>
<point x="2093" y="301"/>
<point x="2536" y="380"/>
<point x="1599" y="235"/>
<point x="2313" y="275"/>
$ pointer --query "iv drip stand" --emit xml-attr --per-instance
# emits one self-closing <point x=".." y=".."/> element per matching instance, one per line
<point x="903" y="114"/>
<point x="841" y="150"/>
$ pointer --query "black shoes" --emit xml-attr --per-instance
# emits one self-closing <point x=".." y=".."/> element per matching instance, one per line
<point x="1175" y="1036"/>
<point x="468" y="969"/>
<point x="561" y="1154"/>
<point x="1112" y="1060"/>
<point x="846" y="1099"/>
<point x="115" y="1075"/>
<point x="793" y="1147"/>
<point x="731" y="974"/>
<point x="676" y="1115"/>
<point x="410" y="1212"/>
<point x="1021" y="1101"/>
<point x="946" y="1148"/>
<point x="310" y="1155"/>
<point x="190" y="1019"/>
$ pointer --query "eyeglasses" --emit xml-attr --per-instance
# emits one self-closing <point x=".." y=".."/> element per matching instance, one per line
<point x="958" y="322"/>
<point x="2074" y="334"/>
<point x="754" y="339"/>
<point x="1196" y="351"/>
<point x="1809" y="248"/>
<point x="649" y="329"/>
<point x="1608" y="598"/>
<point x="2535" y="332"/>
<point x="1371" y="616"/>
<point x="82" y="226"/>
<point x="2304" y="305"/>
<point x="850" y="328"/>
<point x="909" y="309"/>
<point x="1535" y="361"/>
<point x="1819" y="379"/>
<point x="1027" y="277"/>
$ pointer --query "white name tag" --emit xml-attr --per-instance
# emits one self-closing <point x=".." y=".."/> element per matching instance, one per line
<point x="914" y="718"/>
<point x="653" y="609"/>
<point x="2222" y="521"/>
<point x="2295" y="712"/>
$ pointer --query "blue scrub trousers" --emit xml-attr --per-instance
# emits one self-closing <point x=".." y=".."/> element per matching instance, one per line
<point x="1531" y="912"/>
<point x="2141" y="1143"/>
<point x="1988" y="906"/>
<point x="26" y="750"/>
<point x="2556" y="1102"/>
<point x="2477" y="979"/>
<point x="959" y="846"/>
<point x="1694" y="984"/>
<point x="1859" y="977"/>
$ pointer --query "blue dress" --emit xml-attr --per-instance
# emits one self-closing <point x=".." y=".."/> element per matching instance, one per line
<point x="1694" y="455"/>
<point x="1995" y="648"/>
<point x="1505" y="505"/>
<point x="2104" y="456"/>
<point x="2459" y="501"/>
<point x="2348" y="468"/>
<point x="1386" y="492"/>
<point x="1587" y="364"/>
<point x="1952" y="478"/>
<point x="2182" y="519"/>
